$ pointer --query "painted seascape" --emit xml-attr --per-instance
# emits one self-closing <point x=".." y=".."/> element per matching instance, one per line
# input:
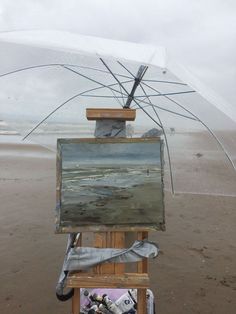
<point x="111" y="184"/>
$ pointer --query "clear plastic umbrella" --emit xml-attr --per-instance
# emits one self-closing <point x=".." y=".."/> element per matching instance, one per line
<point x="49" y="78"/>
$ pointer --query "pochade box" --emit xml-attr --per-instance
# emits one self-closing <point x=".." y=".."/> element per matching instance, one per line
<point x="109" y="184"/>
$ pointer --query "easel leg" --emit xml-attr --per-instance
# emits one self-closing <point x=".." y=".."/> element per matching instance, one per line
<point x="142" y="268"/>
<point x="76" y="296"/>
<point x="141" y="300"/>
<point x="76" y="301"/>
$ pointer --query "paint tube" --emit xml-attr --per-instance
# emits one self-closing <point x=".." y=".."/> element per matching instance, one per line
<point x="112" y="307"/>
<point x="93" y="297"/>
<point x="126" y="303"/>
<point x="93" y="310"/>
<point x="102" y="308"/>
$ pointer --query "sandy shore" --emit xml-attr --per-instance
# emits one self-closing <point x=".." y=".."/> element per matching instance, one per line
<point x="195" y="272"/>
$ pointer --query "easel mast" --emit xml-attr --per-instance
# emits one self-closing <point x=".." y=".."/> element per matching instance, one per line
<point x="111" y="275"/>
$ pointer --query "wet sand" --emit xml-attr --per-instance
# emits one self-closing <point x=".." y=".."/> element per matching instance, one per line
<point x="194" y="273"/>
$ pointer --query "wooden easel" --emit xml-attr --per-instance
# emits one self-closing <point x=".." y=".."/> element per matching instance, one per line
<point x="111" y="275"/>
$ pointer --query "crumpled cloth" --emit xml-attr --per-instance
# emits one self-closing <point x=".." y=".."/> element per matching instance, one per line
<point x="81" y="258"/>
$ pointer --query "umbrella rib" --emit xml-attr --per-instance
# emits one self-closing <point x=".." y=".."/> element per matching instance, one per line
<point x="167" y="110"/>
<point x="56" y="64"/>
<point x="90" y="79"/>
<point x="140" y="96"/>
<point x="99" y="70"/>
<point x="137" y="96"/>
<point x="199" y="120"/>
<point x="169" y="94"/>
<point x="168" y="152"/>
<point x="167" y="145"/>
<point x="170" y="99"/>
<point x="103" y="96"/>
<point x="147" y="113"/>
<point x="61" y="105"/>
<point x="104" y="63"/>
<point x="29" y="68"/>
<point x="116" y="98"/>
<point x="167" y="82"/>
<point x="123" y="100"/>
<point x="126" y="68"/>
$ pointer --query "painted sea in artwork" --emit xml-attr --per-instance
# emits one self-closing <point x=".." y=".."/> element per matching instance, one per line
<point x="111" y="184"/>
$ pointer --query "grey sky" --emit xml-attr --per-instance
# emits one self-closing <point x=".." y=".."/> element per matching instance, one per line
<point x="201" y="34"/>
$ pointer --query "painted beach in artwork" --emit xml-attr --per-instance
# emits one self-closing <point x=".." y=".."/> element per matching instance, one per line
<point x="116" y="183"/>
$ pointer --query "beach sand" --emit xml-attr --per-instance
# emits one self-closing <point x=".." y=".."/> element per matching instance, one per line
<point x="195" y="271"/>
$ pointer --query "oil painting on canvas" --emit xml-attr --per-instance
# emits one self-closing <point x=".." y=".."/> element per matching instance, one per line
<point x="111" y="184"/>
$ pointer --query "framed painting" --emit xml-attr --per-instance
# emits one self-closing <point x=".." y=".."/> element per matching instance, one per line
<point x="109" y="184"/>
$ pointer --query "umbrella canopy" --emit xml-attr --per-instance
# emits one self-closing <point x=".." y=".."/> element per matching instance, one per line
<point x="49" y="78"/>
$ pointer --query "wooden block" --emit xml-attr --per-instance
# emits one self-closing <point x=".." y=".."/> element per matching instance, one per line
<point x="108" y="113"/>
<point x="127" y="280"/>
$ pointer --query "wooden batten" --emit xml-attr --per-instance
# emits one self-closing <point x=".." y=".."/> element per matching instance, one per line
<point x="127" y="280"/>
<point x="108" y="113"/>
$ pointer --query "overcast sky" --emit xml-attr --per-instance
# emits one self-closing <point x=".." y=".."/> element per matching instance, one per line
<point x="201" y="34"/>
